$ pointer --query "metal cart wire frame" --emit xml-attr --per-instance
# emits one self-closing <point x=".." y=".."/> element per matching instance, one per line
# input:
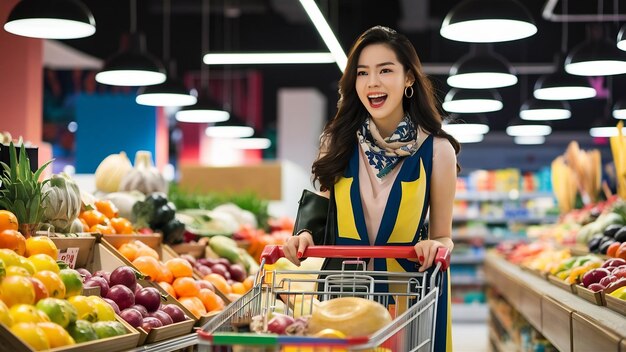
<point x="411" y="298"/>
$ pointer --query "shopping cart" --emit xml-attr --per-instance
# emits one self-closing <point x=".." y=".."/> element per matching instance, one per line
<point x="411" y="298"/>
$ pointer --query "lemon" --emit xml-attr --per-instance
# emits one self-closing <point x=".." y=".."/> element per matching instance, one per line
<point x="41" y="245"/>
<point x="44" y="262"/>
<point x="9" y="257"/>
<point x="104" y="311"/>
<point x="57" y="336"/>
<point x="15" y="270"/>
<point x="33" y="335"/>
<point x="26" y="313"/>
<point x="5" y="317"/>
<point x="85" y="309"/>
<point x="26" y="264"/>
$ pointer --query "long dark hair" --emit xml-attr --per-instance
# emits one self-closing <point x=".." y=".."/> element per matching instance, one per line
<point x="337" y="139"/>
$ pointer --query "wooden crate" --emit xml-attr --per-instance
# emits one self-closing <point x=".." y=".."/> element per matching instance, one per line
<point x="530" y="307"/>
<point x="556" y="323"/>
<point x="12" y="343"/>
<point x="107" y="258"/>
<point x="194" y="249"/>
<point x="85" y="247"/>
<point x="615" y="304"/>
<point x="562" y="284"/>
<point x="588" y="335"/>
<point x="596" y="298"/>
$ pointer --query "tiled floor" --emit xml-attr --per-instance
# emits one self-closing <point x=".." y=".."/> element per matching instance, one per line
<point x="470" y="337"/>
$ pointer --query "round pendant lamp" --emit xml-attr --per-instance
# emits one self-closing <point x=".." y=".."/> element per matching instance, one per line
<point x="47" y="19"/>
<point x="604" y="127"/>
<point x="205" y="110"/>
<point x="172" y="92"/>
<point x="544" y="110"/>
<point x="472" y="101"/>
<point x="621" y="38"/>
<point x="255" y="142"/>
<point x="483" y="71"/>
<point x="596" y="58"/>
<point x="488" y="21"/>
<point x="470" y="124"/>
<point x="521" y="128"/>
<point x="529" y="140"/>
<point x="619" y="110"/>
<point x="230" y="129"/>
<point x="563" y="86"/>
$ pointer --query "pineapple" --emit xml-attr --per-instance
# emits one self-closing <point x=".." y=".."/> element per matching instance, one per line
<point x="20" y="189"/>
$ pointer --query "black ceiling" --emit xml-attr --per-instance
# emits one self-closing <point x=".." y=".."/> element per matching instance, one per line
<point x="282" y="25"/>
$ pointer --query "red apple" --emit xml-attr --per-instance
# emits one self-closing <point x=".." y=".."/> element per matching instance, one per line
<point x="596" y="287"/>
<point x="615" y="285"/>
<point x="594" y="276"/>
<point x="614" y="262"/>
<point x="607" y="280"/>
<point x="620" y="272"/>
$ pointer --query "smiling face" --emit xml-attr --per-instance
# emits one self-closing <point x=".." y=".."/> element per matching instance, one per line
<point x="380" y="83"/>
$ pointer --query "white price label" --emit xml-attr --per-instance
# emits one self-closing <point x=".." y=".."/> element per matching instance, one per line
<point x="68" y="256"/>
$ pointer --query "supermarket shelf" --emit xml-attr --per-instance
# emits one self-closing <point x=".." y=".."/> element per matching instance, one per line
<point x="491" y="220"/>
<point x="472" y="312"/>
<point x="173" y="344"/>
<point x="467" y="281"/>
<point x="504" y="323"/>
<point x="501" y="196"/>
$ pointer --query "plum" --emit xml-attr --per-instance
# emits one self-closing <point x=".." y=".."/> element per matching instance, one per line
<point x="162" y="316"/>
<point x="615" y="285"/>
<point x="98" y="281"/>
<point x="237" y="272"/>
<point x="132" y="316"/>
<point x="594" y="276"/>
<point x="608" y="280"/>
<point x="204" y="270"/>
<point x="596" y="287"/>
<point x="149" y="297"/>
<point x="84" y="273"/>
<point x="149" y="323"/>
<point x="141" y="309"/>
<point x="614" y="262"/>
<point x="174" y="312"/>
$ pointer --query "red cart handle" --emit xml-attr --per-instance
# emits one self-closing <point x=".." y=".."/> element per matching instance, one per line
<point x="272" y="253"/>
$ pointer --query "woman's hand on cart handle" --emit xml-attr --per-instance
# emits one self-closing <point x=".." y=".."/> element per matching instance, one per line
<point x="294" y="248"/>
<point x="431" y="251"/>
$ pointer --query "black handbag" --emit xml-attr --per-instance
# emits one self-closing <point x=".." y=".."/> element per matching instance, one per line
<point x="313" y="214"/>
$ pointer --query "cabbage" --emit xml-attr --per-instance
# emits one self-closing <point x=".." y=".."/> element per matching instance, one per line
<point x="63" y="202"/>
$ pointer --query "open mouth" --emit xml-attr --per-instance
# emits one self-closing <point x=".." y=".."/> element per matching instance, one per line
<point x="377" y="100"/>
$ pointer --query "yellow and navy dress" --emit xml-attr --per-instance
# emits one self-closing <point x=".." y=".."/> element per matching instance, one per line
<point x="402" y="223"/>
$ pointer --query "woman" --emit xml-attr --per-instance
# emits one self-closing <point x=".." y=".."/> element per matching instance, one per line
<point x="383" y="162"/>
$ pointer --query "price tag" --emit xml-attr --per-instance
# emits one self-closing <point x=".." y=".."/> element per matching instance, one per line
<point x="68" y="256"/>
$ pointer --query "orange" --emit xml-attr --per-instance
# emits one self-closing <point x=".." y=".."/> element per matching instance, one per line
<point x="53" y="283"/>
<point x="166" y="275"/>
<point x="219" y="282"/>
<point x="85" y="225"/>
<point x="33" y="335"/>
<point x="185" y="287"/>
<point x="8" y="221"/>
<point x="102" y="229"/>
<point x="168" y="288"/>
<point x="148" y="266"/>
<point x="129" y="251"/>
<point x="107" y="208"/>
<point x="612" y="250"/>
<point x="16" y="290"/>
<point x="41" y="245"/>
<point x="13" y="240"/>
<point x="94" y="217"/>
<point x="57" y="336"/>
<point x="122" y="225"/>
<point x="147" y="251"/>
<point x="210" y="300"/>
<point x="194" y="305"/>
<point x="238" y="288"/>
<point x="248" y="282"/>
<point x="179" y="267"/>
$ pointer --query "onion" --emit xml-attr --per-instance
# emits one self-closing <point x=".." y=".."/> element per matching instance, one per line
<point x="121" y="295"/>
<point x="124" y="275"/>
<point x="150" y="323"/>
<point x="174" y="312"/>
<point x="98" y="281"/>
<point x="149" y="297"/>
<point x="132" y="317"/>
<point x="162" y="316"/>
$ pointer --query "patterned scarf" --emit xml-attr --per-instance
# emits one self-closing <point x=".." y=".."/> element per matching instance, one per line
<point x="383" y="154"/>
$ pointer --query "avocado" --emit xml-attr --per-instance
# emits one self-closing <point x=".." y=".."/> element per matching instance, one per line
<point x="594" y="243"/>
<point x="611" y="230"/>
<point x="620" y="235"/>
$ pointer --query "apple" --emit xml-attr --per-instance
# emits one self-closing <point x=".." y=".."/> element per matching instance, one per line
<point x="620" y="272"/>
<point x="237" y="272"/>
<point x="204" y="270"/>
<point x="621" y="282"/>
<point x="594" y="276"/>
<point x="596" y="287"/>
<point x="221" y="270"/>
<point x="614" y="262"/>
<point x="607" y="280"/>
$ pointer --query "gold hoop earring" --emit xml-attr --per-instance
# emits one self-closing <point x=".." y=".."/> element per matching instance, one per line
<point x="406" y="92"/>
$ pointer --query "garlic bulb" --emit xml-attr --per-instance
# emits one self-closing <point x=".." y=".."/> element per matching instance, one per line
<point x="110" y="172"/>
<point x="144" y="177"/>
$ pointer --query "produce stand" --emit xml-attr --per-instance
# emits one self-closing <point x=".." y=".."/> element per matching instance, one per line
<point x="570" y="322"/>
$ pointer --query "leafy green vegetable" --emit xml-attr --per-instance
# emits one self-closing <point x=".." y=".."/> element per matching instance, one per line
<point x="207" y="201"/>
